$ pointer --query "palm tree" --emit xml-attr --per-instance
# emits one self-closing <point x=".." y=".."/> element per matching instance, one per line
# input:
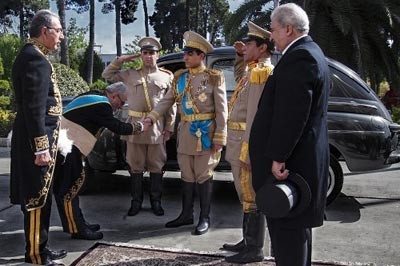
<point x="363" y="34"/>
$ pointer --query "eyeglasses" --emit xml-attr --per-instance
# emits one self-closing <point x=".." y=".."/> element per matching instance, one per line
<point x="148" y="52"/>
<point x="58" y="30"/>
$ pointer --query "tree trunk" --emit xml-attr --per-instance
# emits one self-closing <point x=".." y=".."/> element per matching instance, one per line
<point x="197" y="16"/>
<point x="146" y="18"/>
<point x="118" y="26"/>
<point x="64" y="43"/>
<point x="89" y="73"/>
<point x="21" y="22"/>
<point x="187" y="14"/>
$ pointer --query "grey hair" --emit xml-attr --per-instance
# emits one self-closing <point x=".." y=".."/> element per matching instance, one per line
<point x="118" y="87"/>
<point x="292" y="14"/>
<point x="42" y="18"/>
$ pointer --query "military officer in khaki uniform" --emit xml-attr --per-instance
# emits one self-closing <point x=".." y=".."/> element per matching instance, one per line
<point x="252" y="69"/>
<point x="201" y="98"/>
<point x="147" y="86"/>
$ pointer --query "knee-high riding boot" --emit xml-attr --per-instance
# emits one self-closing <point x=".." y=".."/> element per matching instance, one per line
<point x="137" y="193"/>
<point x="155" y="193"/>
<point x="186" y="216"/>
<point x="205" y="193"/>
<point x="254" y="238"/>
<point x="241" y="244"/>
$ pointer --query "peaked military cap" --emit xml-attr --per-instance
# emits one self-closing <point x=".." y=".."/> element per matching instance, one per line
<point x="149" y="43"/>
<point x="194" y="40"/>
<point x="256" y="32"/>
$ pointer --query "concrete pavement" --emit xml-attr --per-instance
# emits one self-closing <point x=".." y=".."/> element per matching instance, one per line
<point x="363" y="224"/>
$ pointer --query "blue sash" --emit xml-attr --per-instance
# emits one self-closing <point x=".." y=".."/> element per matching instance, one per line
<point x="85" y="100"/>
<point x="198" y="129"/>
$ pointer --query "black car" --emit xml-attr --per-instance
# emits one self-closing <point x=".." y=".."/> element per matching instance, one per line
<point x="361" y="131"/>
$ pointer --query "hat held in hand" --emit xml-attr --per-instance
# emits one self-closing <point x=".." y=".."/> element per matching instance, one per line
<point x="285" y="198"/>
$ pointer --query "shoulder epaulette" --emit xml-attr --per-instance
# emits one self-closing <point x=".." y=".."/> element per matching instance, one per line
<point x="165" y="71"/>
<point x="216" y="76"/>
<point x="260" y="73"/>
<point x="179" y="73"/>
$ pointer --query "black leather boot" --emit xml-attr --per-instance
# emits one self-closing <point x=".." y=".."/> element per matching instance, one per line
<point x="186" y="216"/>
<point x="137" y="193"/>
<point x="155" y="193"/>
<point x="254" y="238"/>
<point x="205" y="193"/>
<point x="242" y="243"/>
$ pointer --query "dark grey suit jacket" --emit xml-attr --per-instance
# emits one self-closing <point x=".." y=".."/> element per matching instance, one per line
<point x="291" y="126"/>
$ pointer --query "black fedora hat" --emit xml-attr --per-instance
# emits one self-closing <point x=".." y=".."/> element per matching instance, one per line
<point x="285" y="198"/>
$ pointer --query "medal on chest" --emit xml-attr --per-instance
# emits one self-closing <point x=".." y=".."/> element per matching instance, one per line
<point x="202" y="97"/>
<point x="189" y="104"/>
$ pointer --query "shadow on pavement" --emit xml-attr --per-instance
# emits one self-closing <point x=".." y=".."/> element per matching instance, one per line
<point x="344" y="209"/>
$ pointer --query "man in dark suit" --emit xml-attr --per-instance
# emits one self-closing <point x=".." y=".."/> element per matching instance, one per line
<point x="82" y="119"/>
<point x="289" y="132"/>
<point x="35" y="133"/>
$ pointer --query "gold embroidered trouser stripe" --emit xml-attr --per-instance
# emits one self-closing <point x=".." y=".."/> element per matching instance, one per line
<point x="72" y="228"/>
<point x="236" y="125"/>
<point x="34" y="236"/>
<point x="197" y="117"/>
<point x="248" y="203"/>
<point x="138" y="114"/>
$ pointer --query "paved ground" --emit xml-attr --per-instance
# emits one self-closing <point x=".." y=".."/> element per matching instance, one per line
<point x="363" y="224"/>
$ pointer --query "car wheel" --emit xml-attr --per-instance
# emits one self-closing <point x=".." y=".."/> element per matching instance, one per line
<point x="335" y="181"/>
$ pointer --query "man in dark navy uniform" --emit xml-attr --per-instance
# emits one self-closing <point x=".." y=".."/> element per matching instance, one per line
<point x="35" y="133"/>
<point x="82" y="119"/>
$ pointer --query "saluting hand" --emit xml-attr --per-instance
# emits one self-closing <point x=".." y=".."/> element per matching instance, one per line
<point x="43" y="159"/>
<point x="128" y="57"/>
<point x="239" y="47"/>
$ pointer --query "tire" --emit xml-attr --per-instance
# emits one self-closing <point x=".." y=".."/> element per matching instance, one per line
<point x="335" y="181"/>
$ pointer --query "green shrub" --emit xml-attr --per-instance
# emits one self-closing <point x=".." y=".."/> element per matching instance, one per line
<point x="69" y="82"/>
<point x="396" y="114"/>
<point x="4" y="87"/>
<point x="99" y="85"/>
<point x="6" y="121"/>
<point x="4" y="102"/>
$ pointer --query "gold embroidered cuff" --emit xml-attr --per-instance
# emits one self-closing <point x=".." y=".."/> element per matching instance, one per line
<point x="137" y="128"/>
<point x="41" y="143"/>
<point x="244" y="151"/>
<point x="219" y="138"/>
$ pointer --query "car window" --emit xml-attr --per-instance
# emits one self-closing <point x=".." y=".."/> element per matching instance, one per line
<point x="227" y="67"/>
<point x="345" y="87"/>
<point x="173" y="67"/>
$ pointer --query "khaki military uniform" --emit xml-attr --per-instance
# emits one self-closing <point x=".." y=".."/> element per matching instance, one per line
<point x="242" y="108"/>
<point x="204" y="93"/>
<point x="146" y="87"/>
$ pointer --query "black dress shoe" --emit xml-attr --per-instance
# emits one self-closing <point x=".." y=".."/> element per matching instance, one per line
<point x="202" y="226"/>
<point x="55" y="254"/>
<point x="135" y="208"/>
<point x="50" y="262"/>
<point x="93" y="227"/>
<point x="88" y="235"/>
<point x="247" y="255"/>
<point x="156" y="208"/>
<point x="180" y="221"/>
<point x="234" y="247"/>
